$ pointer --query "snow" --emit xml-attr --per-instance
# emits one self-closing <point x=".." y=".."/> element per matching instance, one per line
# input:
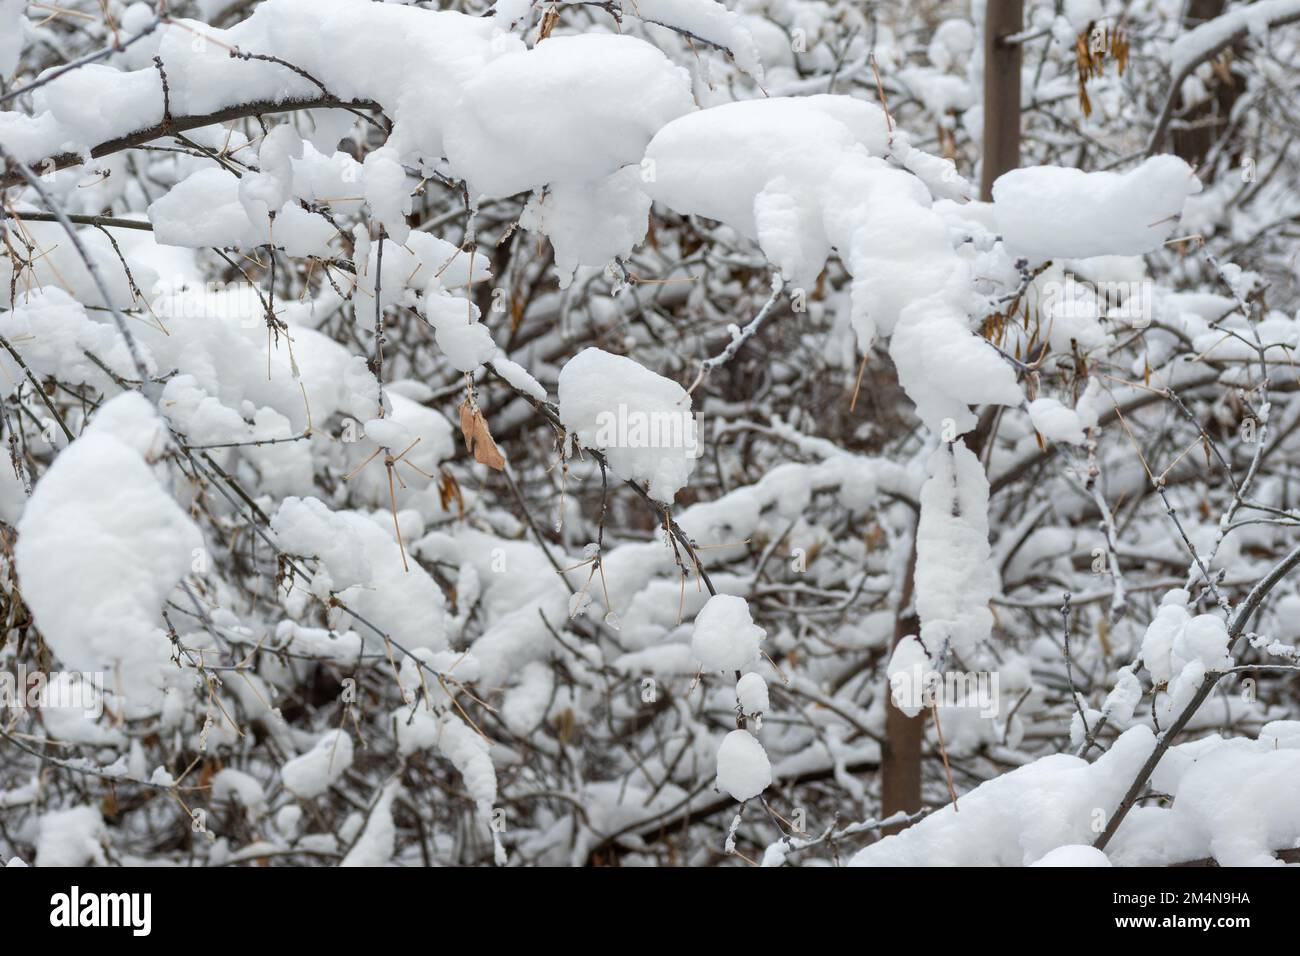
<point x="374" y="847"/>
<point x="101" y="531"/>
<point x="1055" y="422"/>
<point x="954" y="577"/>
<point x="586" y="216"/>
<point x="572" y="109"/>
<point x="466" y="344"/>
<point x="593" y="222"/>
<point x="725" y="636"/>
<point x="1210" y="779"/>
<point x="759" y="165"/>
<point x="708" y="20"/>
<point x="743" y="768"/>
<point x="1019" y="817"/>
<point x="1077" y="854"/>
<point x="751" y="694"/>
<point x="1047" y="212"/>
<point x="56" y="333"/>
<point x="519" y="377"/>
<point x="72" y="837"/>
<point x="363" y="561"/>
<point x="1255" y="18"/>
<point x="641" y="421"/>
<point x="211" y="208"/>
<point x="944" y="369"/>
<point x="236" y="787"/>
<point x="12" y="24"/>
<point x="314" y="772"/>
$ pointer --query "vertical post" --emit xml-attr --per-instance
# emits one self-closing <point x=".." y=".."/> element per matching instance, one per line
<point x="900" y="756"/>
<point x="1002" y="18"/>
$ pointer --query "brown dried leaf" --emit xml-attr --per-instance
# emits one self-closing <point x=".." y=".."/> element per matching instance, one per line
<point x="549" y="19"/>
<point x="449" y="491"/>
<point x="478" y="439"/>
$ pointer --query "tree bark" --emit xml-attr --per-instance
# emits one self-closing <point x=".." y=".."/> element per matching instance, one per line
<point x="1001" y="93"/>
<point x="900" y="755"/>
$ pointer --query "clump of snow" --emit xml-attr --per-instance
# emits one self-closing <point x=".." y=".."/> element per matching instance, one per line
<point x="465" y="341"/>
<point x="1019" y="817"/>
<point x="361" y="560"/>
<point x="56" y="333"/>
<point x="571" y="109"/>
<point x="314" y="772"/>
<point x="101" y="532"/>
<point x="591" y="223"/>
<point x="640" y="420"/>
<point x="235" y="786"/>
<point x="374" y="847"/>
<point x="751" y="694"/>
<point x="1075" y="854"/>
<point x="761" y="167"/>
<point x="725" y="636"/>
<point x="1048" y="212"/>
<point x="710" y="21"/>
<point x="72" y="837"/>
<point x="743" y="768"/>
<point x="1055" y="422"/>
<point x="908" y="665"/>
<point x="955" y="578"/>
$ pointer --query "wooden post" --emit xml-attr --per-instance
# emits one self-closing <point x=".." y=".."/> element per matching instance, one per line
<point x="1002" y="18"/>
<point x="900" y="754"/>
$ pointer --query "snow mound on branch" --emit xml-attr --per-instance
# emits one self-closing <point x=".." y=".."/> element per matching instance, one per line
<point x="708" y="20"/>
<point x="11" y="34"/>
<point x="362" y="561"/>
<point x="1233" y="801"/>
<point x="760" y="167"/>
<point x="955" y="578"/>
<point x="1076" y="854"/>
<point x="318" y="769"/>
<point x="803" y="176"/>
<point x="468" y="752"/>
<point x="375" y="845"/>
<point x="726" y="637"/>
<point x="1055" y="422"/>
<point x="908" y="665"/>
<point x="591" y="223"/>
<point x="72" y="837"/>
<point x="413" y="62"/>
<point x="751" y="694"/>
<point x="56" y="333"/>
<point x="205" y="209"/>
<point x="101" y="534"/>
<point x="572" y="109"/>
<point x="465" y="341"/>
<point x="1017" y="818"/>
<point x="944" y="368"/>
<point x="641" y="421"/>
<point x="1176" y="639"/>
<point x="743" y="768"/>
<point x="1049" y="212"/>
